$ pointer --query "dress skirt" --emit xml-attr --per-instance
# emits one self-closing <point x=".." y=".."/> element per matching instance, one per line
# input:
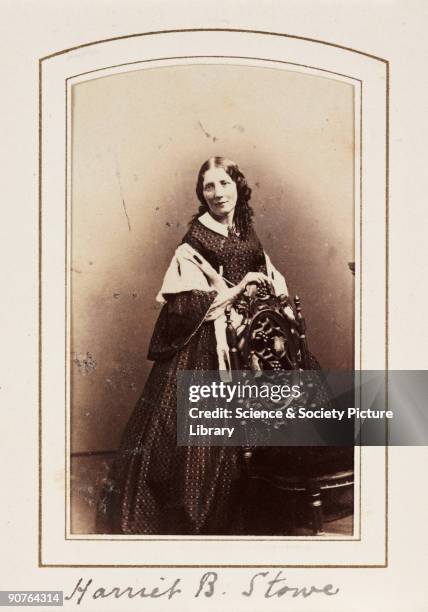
<point x="156" y="486"/>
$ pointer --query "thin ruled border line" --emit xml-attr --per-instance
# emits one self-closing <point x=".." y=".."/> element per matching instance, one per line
<point x="251" y="539"/>
<point x="254" y="539"/>
<point x="147" y="61"/>
<point x="235" y="30"/>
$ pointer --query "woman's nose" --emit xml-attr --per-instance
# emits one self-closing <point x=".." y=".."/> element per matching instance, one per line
<point x="218" y="191"/>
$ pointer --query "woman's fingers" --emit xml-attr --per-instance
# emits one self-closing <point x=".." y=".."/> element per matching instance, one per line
<point x="257" y="278"/>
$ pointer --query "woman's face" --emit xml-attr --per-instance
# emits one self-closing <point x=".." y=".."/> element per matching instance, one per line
<point x="220" y="193"/>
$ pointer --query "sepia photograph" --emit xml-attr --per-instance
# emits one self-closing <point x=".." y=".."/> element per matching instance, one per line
<point x="193" y="188"/>
<point x="213" y="382"/>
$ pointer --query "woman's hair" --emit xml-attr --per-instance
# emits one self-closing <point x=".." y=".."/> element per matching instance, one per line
<point x="243" y="211"/>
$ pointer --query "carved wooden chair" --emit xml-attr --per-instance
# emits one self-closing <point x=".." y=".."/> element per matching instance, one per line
<point x="272" y="337"/>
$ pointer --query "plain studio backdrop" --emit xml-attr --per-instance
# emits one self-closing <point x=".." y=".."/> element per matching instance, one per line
<point x="138" y="141"/>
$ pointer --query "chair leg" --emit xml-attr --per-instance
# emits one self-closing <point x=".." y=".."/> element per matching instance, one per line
<point x="244" y="491"/>
<point x="315" y="508"/>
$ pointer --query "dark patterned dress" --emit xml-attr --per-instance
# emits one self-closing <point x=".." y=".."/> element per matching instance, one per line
<point x="157" y="486"/>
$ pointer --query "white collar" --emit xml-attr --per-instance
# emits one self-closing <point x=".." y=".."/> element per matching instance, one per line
<point x="209" y="222"/>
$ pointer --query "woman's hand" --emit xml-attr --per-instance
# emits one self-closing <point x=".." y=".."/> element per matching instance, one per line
<point x="228" y="296"/>
<point x="255" y="278"/>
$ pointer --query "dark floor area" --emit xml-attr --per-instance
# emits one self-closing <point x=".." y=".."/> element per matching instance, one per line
<point x="267" y="512"/>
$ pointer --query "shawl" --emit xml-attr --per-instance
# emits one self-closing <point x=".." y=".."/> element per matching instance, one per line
<point x="189" y="271"/>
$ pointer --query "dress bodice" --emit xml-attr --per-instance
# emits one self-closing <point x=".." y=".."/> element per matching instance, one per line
<point x="230" y="254"/>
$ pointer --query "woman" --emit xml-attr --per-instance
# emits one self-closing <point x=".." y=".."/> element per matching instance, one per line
<point x="158" y="487"/>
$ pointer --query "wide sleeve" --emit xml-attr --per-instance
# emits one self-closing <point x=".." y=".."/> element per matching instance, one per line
<point x="181" y="316"/>
<point x="186" y="295"/>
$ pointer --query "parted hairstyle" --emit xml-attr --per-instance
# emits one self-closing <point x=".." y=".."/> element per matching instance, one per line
<point x="243" y="211"/>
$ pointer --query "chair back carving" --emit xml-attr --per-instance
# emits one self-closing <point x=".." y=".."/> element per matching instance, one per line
<point x="272" y="335"/>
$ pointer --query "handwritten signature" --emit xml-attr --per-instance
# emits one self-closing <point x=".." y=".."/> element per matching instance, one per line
<point x="268" y="584"/>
